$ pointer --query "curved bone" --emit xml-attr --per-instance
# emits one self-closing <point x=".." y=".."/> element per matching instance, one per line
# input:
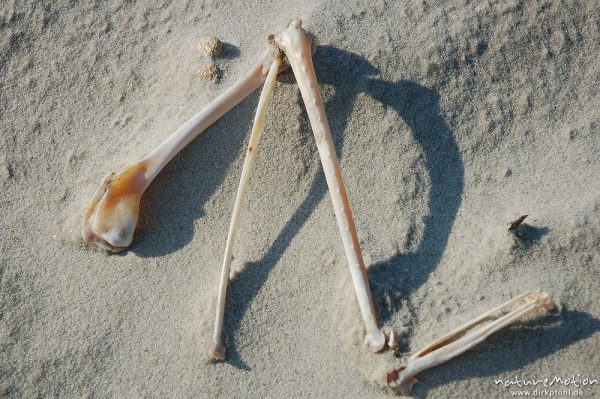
<point x="465" y="337"/>
<point x="296" y="44"/>
<point x="112" y="214"/>
<point x="217" y="349"/>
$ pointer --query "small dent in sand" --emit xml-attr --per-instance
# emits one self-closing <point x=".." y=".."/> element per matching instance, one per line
<point x="558" y="42"/>
<point x="65" y="194"/>
<point x="209" y="72"/>
<point x="524" y="104"/>
<point x="210" y="46"/>
<point x="570" y="133"/>
<point x="122" y="121"/>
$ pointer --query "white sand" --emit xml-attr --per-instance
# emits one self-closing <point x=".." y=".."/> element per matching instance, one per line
<point x="450" y="119"/>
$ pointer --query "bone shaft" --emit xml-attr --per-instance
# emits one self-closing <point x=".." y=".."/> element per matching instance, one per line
<point x="259" y="122"/>
<point x="158" y="158"/>
<point x="301" y="63"/>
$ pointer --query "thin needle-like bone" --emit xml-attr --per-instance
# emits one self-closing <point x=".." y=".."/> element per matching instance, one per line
<point x="112" y="214"/>
<point x="296" y="44"/>
<point x="217" y="349"/>
<point x="465" y="337"/>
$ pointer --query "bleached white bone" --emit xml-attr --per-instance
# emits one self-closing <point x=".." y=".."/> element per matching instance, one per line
<point x="296" y="44"/>
<point x="112" y="214"/>
<point x="465" y="337"/>
<point x="217" y="349"/>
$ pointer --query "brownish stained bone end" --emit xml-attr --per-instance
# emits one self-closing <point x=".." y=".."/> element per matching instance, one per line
<point x="112" y="215"/>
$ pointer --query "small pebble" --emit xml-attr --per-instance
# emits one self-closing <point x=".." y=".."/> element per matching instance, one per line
<point x="545" y="53"/>
<point x="208" y="72"/>
<point x="524" y="104"/>
<point x="394" y="341"/>
<point x="210" y="46"/>
<point x="6" y="172"/>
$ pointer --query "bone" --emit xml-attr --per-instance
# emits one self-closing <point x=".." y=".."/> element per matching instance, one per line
<point x="217" y="349"/>
<point x="296" y="44"/>
<point x="112" y="214"/>
<point x="465" y="337"/>
<point x="394" y="341"/>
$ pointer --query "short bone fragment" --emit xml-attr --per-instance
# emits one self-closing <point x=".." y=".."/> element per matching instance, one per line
<point x="217" y="349"/>
<point x="112" y="214"/>
<point x="296" y="44"/>
<point x="465" y="337"/>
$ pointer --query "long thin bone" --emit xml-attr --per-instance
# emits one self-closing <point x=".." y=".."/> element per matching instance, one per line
<point x="217" y="349"/>
<point x="296" y="44"/>
<point x="112" y="214"/>
<point x="465" y="337"/>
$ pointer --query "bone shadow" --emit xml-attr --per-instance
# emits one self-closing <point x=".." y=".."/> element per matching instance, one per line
<point x="394" y="280"/>
<point x="511" y="349"/>
<point x="177" y="197"/>
<point x="419" y="106"/>
<point x="230" y="51"/>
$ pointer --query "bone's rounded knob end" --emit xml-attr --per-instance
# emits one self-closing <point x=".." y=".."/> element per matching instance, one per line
<point x="217" y="351"/>
<point x="376" y="341"/>
<point x="112" y="215"/>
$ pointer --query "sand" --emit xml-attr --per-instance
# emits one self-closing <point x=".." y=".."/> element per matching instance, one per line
<point x="451" y="119"/>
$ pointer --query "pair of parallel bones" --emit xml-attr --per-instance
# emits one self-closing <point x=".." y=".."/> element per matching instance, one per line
<point x="112" y="215"/>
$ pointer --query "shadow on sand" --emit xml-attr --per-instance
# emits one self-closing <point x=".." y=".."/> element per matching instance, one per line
<point x="170" y="218"/>
<point x="394" y="280"/>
